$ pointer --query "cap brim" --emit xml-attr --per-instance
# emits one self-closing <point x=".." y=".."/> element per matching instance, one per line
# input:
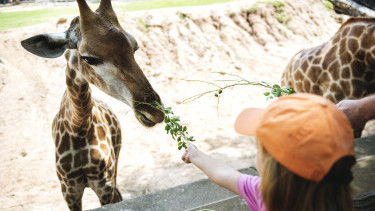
<point x="248" y="120"/>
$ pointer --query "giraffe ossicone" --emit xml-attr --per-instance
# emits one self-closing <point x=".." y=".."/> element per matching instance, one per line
<point x="86" y="132"/>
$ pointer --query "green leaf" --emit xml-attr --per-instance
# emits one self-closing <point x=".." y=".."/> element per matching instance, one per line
<point x="174" y="131"/>
<point x="270" y="97"/>
<point x="167" y="127"/>
<point x="179" y="147"/>
<point x="168" y="110"/>
<point x="266" y="93"/>
<point x="175" y="118"/>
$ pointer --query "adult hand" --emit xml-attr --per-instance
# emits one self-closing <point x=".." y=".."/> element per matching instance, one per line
<point x="355" y="112"/>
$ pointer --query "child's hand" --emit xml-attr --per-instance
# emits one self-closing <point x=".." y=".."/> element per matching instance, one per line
<point x="190" y="152"/>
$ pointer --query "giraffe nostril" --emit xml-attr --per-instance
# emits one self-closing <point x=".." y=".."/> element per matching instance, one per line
<point x="151" y="98"/>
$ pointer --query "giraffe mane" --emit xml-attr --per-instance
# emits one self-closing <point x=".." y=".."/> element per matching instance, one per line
<point x="353" y="20"/>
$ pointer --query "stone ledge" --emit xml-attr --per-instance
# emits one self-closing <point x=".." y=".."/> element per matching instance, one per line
<point x="364" y="202"/>
<point x="204" y="194"/>
<point x="190" y="196"/>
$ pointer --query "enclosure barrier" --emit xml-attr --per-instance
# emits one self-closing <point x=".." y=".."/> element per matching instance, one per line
<point x="204" y="194"/>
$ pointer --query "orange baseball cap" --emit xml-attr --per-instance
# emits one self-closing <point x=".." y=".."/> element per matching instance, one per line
<point x="305" y="133"/>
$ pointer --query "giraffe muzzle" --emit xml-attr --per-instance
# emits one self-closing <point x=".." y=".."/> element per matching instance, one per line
<point x="148" y="114"/>
<point x="149" y="120"/>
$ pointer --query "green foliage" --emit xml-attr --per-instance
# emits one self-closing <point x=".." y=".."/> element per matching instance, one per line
<point x="172" y="125"/>
<point x="278" y="5"/>
<point x="277" y="91"/>
<point x="177" y="131"/>
<point x="157" y="4"/>
<point x="183" y="19"/>
<point x="144" y="26"/>
<point x="253" y="8"/>
<point x="281" y="15"/>
<point x="328" y="4"/>
<point x="182" y="16"/>
<point x="283" y="18"/>
<point x="16" y="19"/>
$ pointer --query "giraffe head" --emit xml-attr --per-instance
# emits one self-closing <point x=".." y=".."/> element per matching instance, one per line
<point x="102" y="53"/>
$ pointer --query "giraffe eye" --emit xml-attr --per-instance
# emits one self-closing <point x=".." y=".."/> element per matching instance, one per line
<point x="92" y="60"/>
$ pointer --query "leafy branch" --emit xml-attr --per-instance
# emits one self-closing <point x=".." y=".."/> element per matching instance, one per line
<point x="179" y="132"/>
<point x="172" y="125"/>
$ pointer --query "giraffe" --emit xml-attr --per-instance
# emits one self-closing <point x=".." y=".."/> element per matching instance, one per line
<point x="87" y="134"/>
<point x="341" y="68"/>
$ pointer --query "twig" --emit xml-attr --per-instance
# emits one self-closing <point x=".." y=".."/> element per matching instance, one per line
<point x="276" y="90"/>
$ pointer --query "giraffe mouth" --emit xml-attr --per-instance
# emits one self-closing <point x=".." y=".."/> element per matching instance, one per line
<point x="144" y="120"/>
<point x="147" y="114"/>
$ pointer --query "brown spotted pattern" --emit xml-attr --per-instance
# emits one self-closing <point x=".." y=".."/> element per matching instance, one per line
<point x="343" y="67"/>
<point x="88" y="140"/>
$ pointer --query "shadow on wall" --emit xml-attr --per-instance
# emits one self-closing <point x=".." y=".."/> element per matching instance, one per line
<point x="356" y="8"/>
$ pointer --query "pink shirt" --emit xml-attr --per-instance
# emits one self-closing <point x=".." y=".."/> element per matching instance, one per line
<point x="248" y="186"/>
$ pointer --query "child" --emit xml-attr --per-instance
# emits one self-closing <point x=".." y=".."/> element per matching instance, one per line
<point x="305" y="154"/>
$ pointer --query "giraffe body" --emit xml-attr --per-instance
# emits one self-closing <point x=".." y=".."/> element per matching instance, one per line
<point x="91" y="160"/>
<point x="86" y="132"/>
<point x="341" y="68"/>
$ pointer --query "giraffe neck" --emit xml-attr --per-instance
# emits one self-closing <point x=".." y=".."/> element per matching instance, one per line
<point x="77" y="100"/>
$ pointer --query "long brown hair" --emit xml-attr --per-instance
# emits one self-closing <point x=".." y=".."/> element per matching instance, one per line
<point x="283" y="190"/>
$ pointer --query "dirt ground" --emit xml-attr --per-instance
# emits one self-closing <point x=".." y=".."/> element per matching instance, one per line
<point x="240" y="38"/>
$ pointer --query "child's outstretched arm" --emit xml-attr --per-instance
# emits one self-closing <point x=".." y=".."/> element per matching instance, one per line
<point x="217" y="171"/>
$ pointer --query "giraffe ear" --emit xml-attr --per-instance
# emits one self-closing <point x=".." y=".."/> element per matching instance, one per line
<point x="46" y="45"/>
